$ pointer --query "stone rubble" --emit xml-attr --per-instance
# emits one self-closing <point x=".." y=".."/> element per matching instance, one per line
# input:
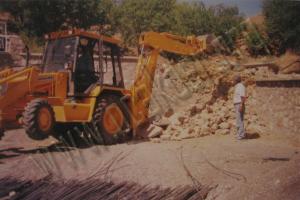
<point x="210" y="109"/>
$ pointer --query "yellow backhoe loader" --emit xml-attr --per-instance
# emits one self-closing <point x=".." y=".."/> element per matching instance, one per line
<point x="81" y="83"/>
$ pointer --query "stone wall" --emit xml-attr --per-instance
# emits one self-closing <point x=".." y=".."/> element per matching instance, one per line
<point x="278" y="105"/>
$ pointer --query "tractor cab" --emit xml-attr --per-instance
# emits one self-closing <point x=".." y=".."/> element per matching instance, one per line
<point x="89" y="58"/>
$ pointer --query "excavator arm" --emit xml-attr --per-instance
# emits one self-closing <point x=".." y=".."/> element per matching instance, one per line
<point x="190" y="45"/>
<point x="151" y="44"/>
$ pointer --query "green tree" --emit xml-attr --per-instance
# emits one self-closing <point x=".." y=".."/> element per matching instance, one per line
<point x="227" y="24"/>
<point x="135" y="16"/>
<point x="128" y="17"/>
<point x="36" y="18"/>
<point x="196" y="19"/>
<point x="257" y="42"/>
<point x="192" y="18"/>
<point x="283" y="23"/>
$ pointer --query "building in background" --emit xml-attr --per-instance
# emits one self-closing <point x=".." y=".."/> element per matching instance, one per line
<point x="3" y="32"/>
<point x="11" y="45"/>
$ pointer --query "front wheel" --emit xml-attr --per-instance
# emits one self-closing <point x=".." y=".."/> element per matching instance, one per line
<point x="39" y="119"/>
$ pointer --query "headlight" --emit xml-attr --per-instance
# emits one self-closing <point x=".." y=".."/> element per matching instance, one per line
<point x="3" y="89"/>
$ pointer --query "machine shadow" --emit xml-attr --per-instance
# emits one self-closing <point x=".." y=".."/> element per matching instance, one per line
<point x="15" y="152"/>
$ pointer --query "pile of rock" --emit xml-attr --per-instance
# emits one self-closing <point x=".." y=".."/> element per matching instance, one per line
<point x="218" y="118"/>
<point x="211" y="110"/>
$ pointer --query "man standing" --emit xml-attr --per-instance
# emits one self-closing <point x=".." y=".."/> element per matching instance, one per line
<point x="239" y="99"/>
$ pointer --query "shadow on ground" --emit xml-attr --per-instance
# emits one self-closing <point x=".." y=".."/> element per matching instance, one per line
<point x="91" y="188"/>
<point x="252" y="136"/>
<point x="18" y="151"/>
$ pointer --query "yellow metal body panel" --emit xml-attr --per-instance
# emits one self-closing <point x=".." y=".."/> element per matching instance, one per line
<point x="78" y="32"/>
<point x="75" y="112"/>
<point x="142" y="88"/>
<point x="83" y="110"/>
<point x="17" y="85"/>
<point x="5" y="73"/>
<point x="61" y="84"/>
<point x="190" y="45"/>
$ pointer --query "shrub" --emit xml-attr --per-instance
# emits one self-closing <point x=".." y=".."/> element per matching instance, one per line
<point x="256" y="42"/>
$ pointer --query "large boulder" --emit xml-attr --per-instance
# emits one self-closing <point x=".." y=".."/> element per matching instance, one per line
<point x="163" y="123"/>
<point x="154" y="131"/>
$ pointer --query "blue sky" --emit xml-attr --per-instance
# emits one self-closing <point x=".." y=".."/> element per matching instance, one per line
<point x="248" y="7"/>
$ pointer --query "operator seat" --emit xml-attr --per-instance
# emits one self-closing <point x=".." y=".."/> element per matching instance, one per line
<point x="84" y="73"/>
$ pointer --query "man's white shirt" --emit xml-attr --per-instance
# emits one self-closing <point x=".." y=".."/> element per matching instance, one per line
<point x="239" y="92"/>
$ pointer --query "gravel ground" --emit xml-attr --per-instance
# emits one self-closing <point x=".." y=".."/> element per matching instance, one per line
<point x="263" y="168"/>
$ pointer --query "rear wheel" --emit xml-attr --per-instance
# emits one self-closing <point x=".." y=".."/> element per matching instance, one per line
<point x="38" y="119"/>
<point x="112" y="120"/>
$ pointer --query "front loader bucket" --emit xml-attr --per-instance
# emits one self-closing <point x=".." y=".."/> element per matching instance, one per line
<point x="14" y="86"/>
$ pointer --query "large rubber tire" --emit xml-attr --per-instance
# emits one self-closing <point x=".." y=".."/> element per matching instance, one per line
<point x="33" y="124"/>
<point x="98" y="120"/>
